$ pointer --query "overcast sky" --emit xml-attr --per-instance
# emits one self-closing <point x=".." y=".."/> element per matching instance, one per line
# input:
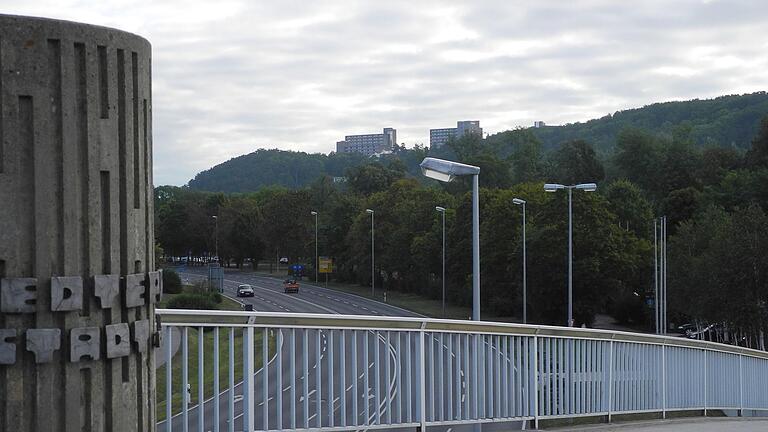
<point x="232" y="76"/>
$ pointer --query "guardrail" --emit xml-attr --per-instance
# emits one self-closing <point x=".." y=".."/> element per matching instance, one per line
<point x="359" y="372"/>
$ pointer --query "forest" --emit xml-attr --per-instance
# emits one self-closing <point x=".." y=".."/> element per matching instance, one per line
<point x="714" y="196"/>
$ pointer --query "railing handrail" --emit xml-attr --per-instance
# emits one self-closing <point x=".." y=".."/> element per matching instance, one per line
<point x="201" y="318"/>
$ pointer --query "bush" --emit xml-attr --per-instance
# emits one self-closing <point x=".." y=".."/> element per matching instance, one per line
<point x="192" y="301"/>
<point x="171" y="282"/>
<point x="216" y="297"/>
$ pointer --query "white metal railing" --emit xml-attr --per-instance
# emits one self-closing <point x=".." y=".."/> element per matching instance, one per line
<point x="359" y="372"/>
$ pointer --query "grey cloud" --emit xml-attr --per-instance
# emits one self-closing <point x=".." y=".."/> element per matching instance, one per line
<point x="230" y="77"/>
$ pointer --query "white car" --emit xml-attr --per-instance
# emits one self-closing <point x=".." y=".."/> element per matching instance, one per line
<point x="244" y="290"/>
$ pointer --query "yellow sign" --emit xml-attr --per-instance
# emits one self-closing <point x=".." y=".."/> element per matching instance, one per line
<point x="325" y="265"/>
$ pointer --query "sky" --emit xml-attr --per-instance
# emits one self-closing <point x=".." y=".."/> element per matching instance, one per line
<point x="233" y="76"/>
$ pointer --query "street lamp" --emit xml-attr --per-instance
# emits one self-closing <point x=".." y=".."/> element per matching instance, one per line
<point x="518" y="201"/>
<point x="317" y="258"/>
<point x="442" y="279"/>
<point x="373" y="273"/>
<point x="216" y="235"/>
<point x="446" y="171"/>
<point x="586" y="187"/>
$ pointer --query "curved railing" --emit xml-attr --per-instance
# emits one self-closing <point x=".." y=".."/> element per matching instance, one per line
<point x="361" y="372"/>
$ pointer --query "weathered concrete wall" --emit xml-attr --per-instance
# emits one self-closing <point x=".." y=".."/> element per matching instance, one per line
<point x="76" y="228"/>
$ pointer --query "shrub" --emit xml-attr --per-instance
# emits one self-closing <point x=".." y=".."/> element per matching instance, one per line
<point x="171" y="282"/>
<point x="192" y="301"/>
<point x="216" y="297"/>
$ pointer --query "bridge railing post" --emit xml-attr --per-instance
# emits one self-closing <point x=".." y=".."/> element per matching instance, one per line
<point x="706" y="390"/>
<point x="610" y="379"/>
<point x="248" y="378"/>
<point x="422" y="381"/>
<point x="663" y="381"/>
<point x="741" y="387"/>
<point x="534" y="361"/>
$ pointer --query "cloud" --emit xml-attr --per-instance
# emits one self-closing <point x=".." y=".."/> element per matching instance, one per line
<point x="233" y="76"/>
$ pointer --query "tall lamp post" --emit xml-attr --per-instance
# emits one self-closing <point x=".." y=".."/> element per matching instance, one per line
<point x="373" y="256"/>
<point x="445" y="171"/>
<point x="317" y="258"/>
<point x="216" y="236"/>
<point x="518" y="201"/>
<point x="442" y="279"/>
<point x="586" y="187"/>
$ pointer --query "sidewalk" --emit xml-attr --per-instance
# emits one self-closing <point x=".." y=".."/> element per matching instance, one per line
<point x="679" y="425"/>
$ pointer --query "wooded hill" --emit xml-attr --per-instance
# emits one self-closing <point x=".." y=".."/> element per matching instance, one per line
<point x="727" y="121"/>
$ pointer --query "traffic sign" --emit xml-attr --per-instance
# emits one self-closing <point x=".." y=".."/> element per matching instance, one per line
<point x="325" y="265"/>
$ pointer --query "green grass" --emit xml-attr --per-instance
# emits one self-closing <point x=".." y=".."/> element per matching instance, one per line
<point x="194" y="363"/>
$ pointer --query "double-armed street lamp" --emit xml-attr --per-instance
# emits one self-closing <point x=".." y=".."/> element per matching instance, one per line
<point x="441" y="210"/>
<point x="586" y="187"/>
<point x="518" y="201"/>
<point x="446" y="171"/>
<point x="317" y="258"/>
<point x="373" y="273"/>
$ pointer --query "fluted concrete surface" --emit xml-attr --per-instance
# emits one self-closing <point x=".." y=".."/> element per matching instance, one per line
<point x="76" y="228"/>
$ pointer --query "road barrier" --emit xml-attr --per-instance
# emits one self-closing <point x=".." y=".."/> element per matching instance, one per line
<point x="340" y="373"/>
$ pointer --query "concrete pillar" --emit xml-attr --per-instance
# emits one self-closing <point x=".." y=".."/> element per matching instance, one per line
<point x="78" y="285"/>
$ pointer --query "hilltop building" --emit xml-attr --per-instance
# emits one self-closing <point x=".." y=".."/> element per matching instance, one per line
<point x="368" y="144"/>
<point x="538" y="124"/>
<point x="439" y="137"/>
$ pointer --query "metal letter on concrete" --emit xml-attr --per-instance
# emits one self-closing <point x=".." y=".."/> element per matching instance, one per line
<point x="75" y="204"/>
<point x="7" y="346"/>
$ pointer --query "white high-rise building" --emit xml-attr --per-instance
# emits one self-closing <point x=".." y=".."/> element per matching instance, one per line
<point x="439" y="137"/>
<point x="368" y="144"/>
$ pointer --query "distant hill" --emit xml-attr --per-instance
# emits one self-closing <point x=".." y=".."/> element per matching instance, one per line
<point x="728" y="121"/>
<point x="263" y="168"/>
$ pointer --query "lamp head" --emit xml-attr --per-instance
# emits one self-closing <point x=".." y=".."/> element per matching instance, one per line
<point x="440" y="209"/>
<point x="445" y="170"/>
<point x="518" y="201"/>
<point x="552" y="187"/>
<point x="313" y="213"/>
<point x="587" y="187"/>
<point x="369" y="211"/>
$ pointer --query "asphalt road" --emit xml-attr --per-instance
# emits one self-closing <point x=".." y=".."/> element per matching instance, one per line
<point x="269" y="297"/>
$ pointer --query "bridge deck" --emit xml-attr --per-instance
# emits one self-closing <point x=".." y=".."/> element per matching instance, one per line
<point x="678" y="425"/>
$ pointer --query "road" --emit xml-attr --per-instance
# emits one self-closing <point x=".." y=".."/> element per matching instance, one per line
<point x="269" y="297"/>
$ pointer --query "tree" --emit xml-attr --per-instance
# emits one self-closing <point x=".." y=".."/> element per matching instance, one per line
<point x="638" y="157"/>
<point x="371" y="178"/>
<point x="680" y="205"/>
<point x="757" y="156"/>
<point x="633" y="211"/>
<point x="721" y="271"/>
<point x="576" y="162"/>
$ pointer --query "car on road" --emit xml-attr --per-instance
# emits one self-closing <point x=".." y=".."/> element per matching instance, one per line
<point x="245" y="290"/>
<point x="291" y="286"/>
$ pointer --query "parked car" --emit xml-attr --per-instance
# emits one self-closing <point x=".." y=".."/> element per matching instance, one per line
<point x="291" y="286"/>
<point x="687" y="329"/>
<point x="244" y="290"/>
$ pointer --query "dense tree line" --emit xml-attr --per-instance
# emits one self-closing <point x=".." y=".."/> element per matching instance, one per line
<point x="728" y="121"/>
<point x="715" y="199"/>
